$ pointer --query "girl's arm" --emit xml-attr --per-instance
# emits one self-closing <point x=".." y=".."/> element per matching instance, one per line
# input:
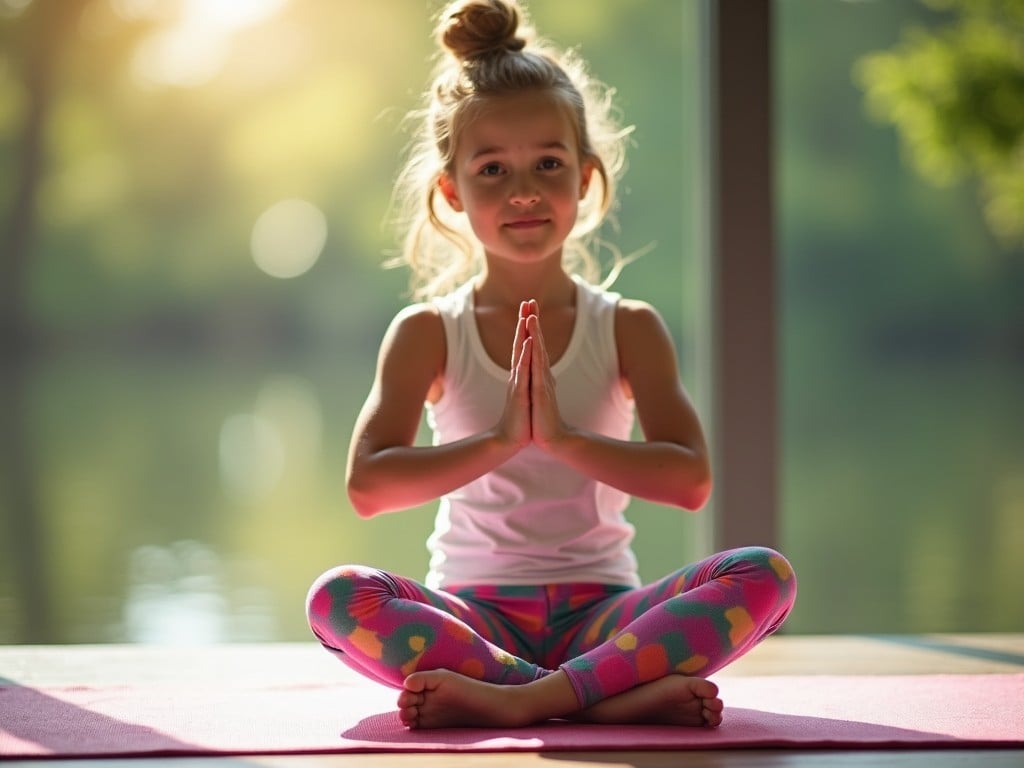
<point x="386" y="471"/>
<point x="671" y="465"/>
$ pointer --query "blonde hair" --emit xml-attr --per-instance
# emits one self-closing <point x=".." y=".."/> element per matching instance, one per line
<point x="487" y="50"/>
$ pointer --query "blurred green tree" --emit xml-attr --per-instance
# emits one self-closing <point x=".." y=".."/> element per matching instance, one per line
<point x="45" y="33"/>
<point x="956" y="94"/>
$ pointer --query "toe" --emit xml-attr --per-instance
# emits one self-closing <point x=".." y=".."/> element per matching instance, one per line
<point x="409" y="716"/>
<point x="704" y="688"/>
<point x="409" y="699"/>
<point x="711" y="711"/>
<point x="714" y="705"/>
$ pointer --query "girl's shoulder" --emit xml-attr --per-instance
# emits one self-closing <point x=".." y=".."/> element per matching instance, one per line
<point x="639" y="326"/>
<point x="412" y="355"/>
<point x="421" y="326"/>
<point x="417" y="309"/>
<point x="636" y="315"/>
<point x="416" y="326"/>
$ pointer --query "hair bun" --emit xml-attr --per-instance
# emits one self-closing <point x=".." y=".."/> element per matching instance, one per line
<point x="470" y="29"/>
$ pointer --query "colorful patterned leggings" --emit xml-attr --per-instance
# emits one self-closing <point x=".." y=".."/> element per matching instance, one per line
<point x="607" y="639"/>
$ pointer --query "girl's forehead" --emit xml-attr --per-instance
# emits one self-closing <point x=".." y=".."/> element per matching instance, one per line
<point x="525" y="117"/>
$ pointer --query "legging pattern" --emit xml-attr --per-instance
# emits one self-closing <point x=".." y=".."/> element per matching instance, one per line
<point x="607" y="639"/>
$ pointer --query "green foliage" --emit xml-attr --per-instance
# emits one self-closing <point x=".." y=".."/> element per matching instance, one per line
<point x="956" y="94"/>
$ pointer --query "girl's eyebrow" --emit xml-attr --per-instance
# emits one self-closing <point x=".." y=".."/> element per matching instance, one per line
<point x="499" y="150"/>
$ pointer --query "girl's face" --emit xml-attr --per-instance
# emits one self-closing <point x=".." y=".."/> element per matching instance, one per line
<point x="518" y="176"/>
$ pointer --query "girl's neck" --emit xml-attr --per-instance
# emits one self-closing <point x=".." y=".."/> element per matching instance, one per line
<point x="505" y="284"/>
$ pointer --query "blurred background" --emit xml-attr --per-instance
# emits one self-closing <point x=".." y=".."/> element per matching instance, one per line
<point x="193" y="205"/>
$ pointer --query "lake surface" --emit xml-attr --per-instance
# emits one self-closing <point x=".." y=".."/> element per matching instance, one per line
<point x="194" y="501"/>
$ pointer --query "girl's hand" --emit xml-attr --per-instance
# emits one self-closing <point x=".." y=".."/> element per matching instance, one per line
<point x="515" y="420"/>
<point x="546" y="422"/>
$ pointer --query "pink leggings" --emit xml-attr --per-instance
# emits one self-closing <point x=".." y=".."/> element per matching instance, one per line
<point x="607" y="639"/>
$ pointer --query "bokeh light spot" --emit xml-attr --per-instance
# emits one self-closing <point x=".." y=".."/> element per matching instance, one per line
<point x="288" y="238"/>
<point x="252" y="456"/>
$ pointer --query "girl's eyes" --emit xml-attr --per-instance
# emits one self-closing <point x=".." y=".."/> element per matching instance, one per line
<point x="545" y="164"/>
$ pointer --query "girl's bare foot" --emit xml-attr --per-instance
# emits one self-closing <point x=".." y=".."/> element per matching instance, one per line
<point x="670" y="700"/>
<point x="444" y="699"/>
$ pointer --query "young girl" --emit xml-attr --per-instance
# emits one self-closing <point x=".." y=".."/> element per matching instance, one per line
<point x="531" y="376"/>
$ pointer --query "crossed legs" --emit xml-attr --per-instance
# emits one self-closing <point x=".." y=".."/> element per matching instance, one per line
<point x="636" y="656"/>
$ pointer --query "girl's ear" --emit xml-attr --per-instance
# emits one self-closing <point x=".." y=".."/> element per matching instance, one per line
<point x="447" y="187"/>
<point x="585" y="173"/>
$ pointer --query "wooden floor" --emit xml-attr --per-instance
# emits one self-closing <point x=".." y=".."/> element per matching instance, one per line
<point x="865" y="655"/>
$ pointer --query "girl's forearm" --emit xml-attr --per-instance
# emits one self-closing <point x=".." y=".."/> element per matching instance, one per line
<point x="392" y="479"/>
<point x="658" y="471"/>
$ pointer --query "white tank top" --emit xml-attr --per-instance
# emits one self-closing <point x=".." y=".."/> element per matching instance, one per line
<point x="532" y="520"/>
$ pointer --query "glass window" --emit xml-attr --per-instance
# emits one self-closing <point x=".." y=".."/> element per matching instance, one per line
<point x="205" y="299"/>
<point x="903" y="368"/>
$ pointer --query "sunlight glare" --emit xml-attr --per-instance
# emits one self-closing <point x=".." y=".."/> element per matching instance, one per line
<point x="13" y="7"/>
<point x="288" y="237"/>
<point x="178" y="57"/>
<point x="140" y="10"/>
<point x="193" y="49"/>
<point x="230" y="14"/>
<point x="226" y="15"/>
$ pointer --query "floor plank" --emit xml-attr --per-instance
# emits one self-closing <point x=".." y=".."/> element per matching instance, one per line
<point x="289" y="663"/>
<point x="962" y="654"/>
<point x="948" y="758"/>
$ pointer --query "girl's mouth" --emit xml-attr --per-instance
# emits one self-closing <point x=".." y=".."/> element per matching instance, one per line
<point x="526" y="223"/>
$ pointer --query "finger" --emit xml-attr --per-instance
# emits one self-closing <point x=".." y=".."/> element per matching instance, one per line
<point x="521" y="370"/>
<point x="541" y="383"/>
<point x="537" y="358"/>
<point x="533" y="329"/>
<point x="525" y="366"/>
<point x="524" y="381"/>
<point x="517" y="343"/>
<point x="533" y="325"/>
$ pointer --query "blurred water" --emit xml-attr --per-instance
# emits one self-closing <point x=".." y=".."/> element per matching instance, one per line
<point x="194" y="503"/>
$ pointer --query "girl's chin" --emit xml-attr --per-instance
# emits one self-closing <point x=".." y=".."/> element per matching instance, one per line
<point x="526" y="254"/>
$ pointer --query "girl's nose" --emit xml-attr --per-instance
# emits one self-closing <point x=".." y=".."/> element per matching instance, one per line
<point x="524" y="194"/>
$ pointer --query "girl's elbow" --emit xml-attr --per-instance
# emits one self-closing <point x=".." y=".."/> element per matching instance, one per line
<point x="359" y="505"/>
<point x="697" y="491"/>
<point x="697" y="496"/>
<point x="364" y="502"/>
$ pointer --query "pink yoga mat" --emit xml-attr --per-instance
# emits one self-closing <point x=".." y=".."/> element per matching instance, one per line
<point x="811" y="711"/>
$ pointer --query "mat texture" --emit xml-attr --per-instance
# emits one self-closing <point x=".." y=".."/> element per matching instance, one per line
<point x="801" y="712"/>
